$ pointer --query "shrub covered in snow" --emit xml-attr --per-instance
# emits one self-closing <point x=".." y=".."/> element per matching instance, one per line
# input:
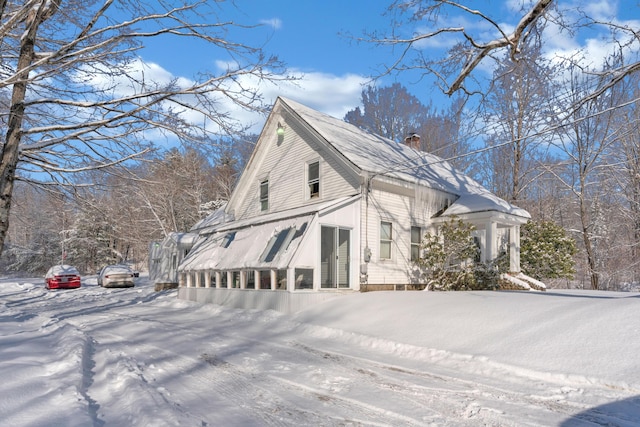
<point x="449" y="260"/>
<point x="546" y="251"/>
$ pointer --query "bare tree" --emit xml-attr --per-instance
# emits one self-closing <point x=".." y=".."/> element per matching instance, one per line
<point x="580" y="118"/>
<point x="486" y="37"/>
<point x="389" y="111"/>
<point x="173" y="189"/>
<point x="394" y="113"/>
<point x="625" y="179"/>
<point x="586" y="141"/>
<point x="76" y="96"/>
<point x="34" y="241"/>
<point x="517" y="109"/>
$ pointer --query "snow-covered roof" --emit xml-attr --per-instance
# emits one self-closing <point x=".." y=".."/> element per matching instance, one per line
<point x="182" y="239"/>
<point x="483" y="202"/>
<point x="266" y="245"/>
<point x="219" y="216"/>
<point x="375" y="156"/>
<point x="267" y="241"/>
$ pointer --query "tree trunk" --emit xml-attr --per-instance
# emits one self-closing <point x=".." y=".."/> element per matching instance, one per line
<point x="591" y="258"/>
<point x="11" y="148"/>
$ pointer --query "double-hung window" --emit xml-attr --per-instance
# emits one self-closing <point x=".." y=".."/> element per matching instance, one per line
<point x="313" y="179"/>
<point x="264" y="195"/>
<point x="416" y="237"/>
<point x="386" y="237"/>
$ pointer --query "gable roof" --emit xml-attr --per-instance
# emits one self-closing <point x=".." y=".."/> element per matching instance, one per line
<point x="375" y="156"/>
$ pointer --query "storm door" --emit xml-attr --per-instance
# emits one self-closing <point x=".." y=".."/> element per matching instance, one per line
<point x="335" y="246"/>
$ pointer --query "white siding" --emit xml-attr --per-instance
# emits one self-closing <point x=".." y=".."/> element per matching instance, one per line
<point x="403" y="211"/>
<point x="284" y="165"/>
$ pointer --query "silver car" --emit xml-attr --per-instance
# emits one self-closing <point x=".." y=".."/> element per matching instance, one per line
<point x="116" y="276"/>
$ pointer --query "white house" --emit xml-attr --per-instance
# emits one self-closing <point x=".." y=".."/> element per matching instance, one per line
<point x="164" y="257"/>
<point x="323" y="207"/>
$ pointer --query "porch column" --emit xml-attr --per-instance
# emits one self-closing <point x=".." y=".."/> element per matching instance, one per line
<point x="274" y="279"/>
<point x="189" y="280"/>
<point x="482" y="236"/>
<point x="218" y="279"/>
<point x="514" y="249"/>
<point x="492" y="232"/>
<point x="291" y="279"/>
<point x="207" y="279"/>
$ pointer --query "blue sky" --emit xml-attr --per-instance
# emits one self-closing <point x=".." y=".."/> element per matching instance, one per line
<point x="311" y="38"/>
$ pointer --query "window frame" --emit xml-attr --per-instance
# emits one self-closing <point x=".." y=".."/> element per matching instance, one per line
<point x="313" y="182"/>
<point x="386" y="241"/>
<point x="414" y="247"/>
<point x="264" y="195"/>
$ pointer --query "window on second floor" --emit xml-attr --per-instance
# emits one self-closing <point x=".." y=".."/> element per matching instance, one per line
<point x="416" y="238"/>
<point x="264" y="195"/>
<point x="386" y="237"/>
<point x="313" y="179"/>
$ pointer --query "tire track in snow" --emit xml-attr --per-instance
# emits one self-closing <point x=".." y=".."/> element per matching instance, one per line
<point x="240" y="385"/>
<point x="273" y="390"/>
<point x="454" y="396"/>
<point x="88" y="366"/>
<point x="274" y="401"/>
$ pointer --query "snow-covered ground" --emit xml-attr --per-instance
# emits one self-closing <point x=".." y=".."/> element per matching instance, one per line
<point x="135" y="357"/>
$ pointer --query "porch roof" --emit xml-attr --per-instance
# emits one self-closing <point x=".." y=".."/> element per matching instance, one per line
<point x="487" y="202"/>
<point x="268" y="245"/>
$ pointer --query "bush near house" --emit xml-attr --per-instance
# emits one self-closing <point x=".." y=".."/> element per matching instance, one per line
<point x="546" y="251"/>
<point x="449" y="260"/>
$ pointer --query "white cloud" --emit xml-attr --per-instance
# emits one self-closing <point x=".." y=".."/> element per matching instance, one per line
<point x="603" y="9"/>
<point x="331" y="94"/>
<point x="328" y="93"/>
<point x="275" y="23"/>
<point x="126" y="79"/>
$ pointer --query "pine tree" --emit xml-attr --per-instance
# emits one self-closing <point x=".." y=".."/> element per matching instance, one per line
<point x="546" y="251"/>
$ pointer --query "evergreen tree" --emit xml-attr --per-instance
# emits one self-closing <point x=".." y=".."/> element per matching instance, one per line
<point x="546" y="251"/>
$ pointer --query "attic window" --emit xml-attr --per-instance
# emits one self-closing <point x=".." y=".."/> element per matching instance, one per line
<point x="264" y="195"/>
<point x="313" y="179"/>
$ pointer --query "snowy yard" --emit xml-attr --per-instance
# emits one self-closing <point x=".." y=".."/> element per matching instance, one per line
<point x="135" y="357"/>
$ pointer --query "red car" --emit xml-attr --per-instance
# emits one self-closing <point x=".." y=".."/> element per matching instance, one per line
<point x="62" y="277"/>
